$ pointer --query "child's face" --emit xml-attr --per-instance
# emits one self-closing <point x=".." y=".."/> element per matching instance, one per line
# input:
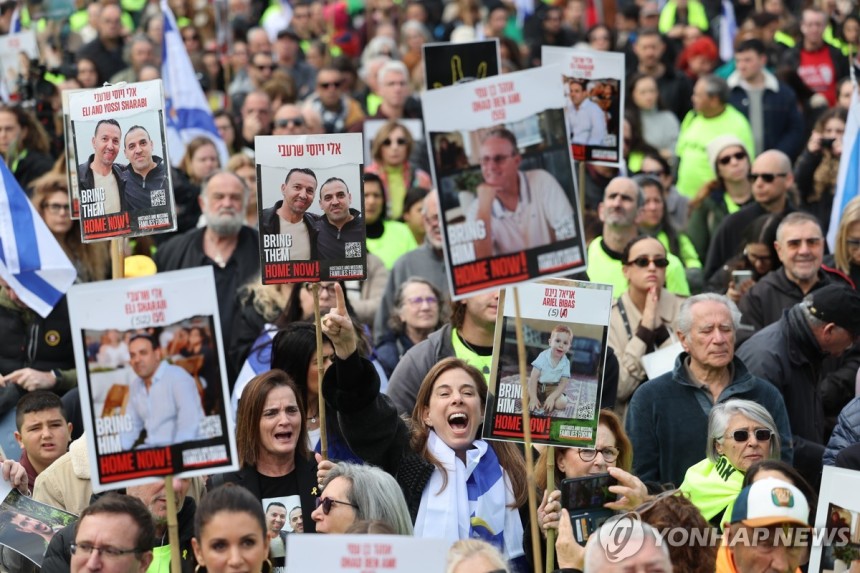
<point x="560" y="343"/>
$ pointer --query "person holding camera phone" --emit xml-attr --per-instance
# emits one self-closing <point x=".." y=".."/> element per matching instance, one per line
<point x="817" y="167"/>
<point x="756" y="258"/>
<point x="612" y="454"/>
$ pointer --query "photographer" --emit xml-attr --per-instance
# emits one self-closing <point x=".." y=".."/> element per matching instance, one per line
<point x="817" y="167"/>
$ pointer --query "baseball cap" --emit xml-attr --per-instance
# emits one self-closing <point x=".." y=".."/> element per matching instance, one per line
<point x="770" y="501"/>
<point x="839" y="304"/>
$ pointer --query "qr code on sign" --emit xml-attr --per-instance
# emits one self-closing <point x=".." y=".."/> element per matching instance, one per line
<point x="584" y="412"/>
<point x="158" y="198"/>
<point x="353" y="250"/>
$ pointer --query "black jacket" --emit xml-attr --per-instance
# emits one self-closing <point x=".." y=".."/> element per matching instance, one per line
<point x="30" y="167"/>
<point x="138" y="189"/>
<point x="86" y="179"/>
<point x="58" y="557"/>
<point x="331" y="241"/>
<point x="306" y="478"/>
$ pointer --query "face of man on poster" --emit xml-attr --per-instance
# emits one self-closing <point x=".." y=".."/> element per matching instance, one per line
<point x="144" y="358"/>
<point x="500" y="164"/>
<point x="334" y="201"/>
<point x="577" y="92"/>
<point x="298" y="190"/>
<point x="138" y="150"/>
<point x="106" y="145"/>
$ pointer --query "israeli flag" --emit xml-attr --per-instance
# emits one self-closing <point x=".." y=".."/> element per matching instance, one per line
<point x="187" y="111"/>
<point x="848" y="180"/>
<point x="15" y="24"/>
<point x="31" y="260"/>
<point x="728" y="31"/>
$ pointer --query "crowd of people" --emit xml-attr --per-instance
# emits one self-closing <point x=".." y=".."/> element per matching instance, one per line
<point x="711" y="231"/>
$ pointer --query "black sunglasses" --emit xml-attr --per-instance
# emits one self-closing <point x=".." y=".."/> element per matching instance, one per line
<point x="327" y="85"/>
<point x="296" y="121"/>
<point x="740" y="156"/>
<point x="401" y="141"/>
<point x="768" y="177"/>
<point x="761" y="435"/>
<point x="269" y="67"/>
<point x="642" y="262"/>
<point x="326" y="502"/>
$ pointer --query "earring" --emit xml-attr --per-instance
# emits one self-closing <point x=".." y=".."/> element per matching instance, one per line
<point x="200" y="568"/>
<point x="268" y="567"/>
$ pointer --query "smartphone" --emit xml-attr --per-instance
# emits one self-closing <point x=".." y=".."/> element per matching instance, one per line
<point x="741" y="277"/>
<point x="584" y="499"/>
<point x="826" y="142"/>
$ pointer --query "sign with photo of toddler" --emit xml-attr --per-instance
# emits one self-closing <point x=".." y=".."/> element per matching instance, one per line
<point x="28" y="526"/>
<point x="123" y="172"/>
<point x="593" y="87"/>
<point x="310" y="199"/>
<point x="565" y="329"/>
<point x="500" y="156"/>
<point x="152" y="377"/>
<point x="837" y="522"/>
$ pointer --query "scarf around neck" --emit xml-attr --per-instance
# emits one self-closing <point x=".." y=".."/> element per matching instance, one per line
<point x="713" y="487"/>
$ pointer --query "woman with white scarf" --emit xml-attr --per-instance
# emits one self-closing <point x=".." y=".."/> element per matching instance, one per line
<point x="457" y="486"/>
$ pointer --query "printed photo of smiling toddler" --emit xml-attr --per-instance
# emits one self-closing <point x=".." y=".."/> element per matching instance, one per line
<point x="551" y="373"/>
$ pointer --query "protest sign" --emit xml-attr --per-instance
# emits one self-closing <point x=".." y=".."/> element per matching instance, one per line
<point x="71" y="159"/>
<point x="16" y="51"/>
<point x="123" y="177"/>
<point x="447" y="64"/>
<point x="501" y="161"/>
<point x="152" y="379"/>
<point x="27" y="526"/>
<point x="283" y="518"/>
<point x="366" y="553"/>
<point x="565" y="330"/>
<point x="836" y="545"/>
<point x="593" y="87"/>
<point x="311" y="208"/>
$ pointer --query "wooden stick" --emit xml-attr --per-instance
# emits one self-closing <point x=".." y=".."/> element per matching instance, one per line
<point x="117" y="258"/>
<point x="582" y="188"/>
<point x="320" y="372"/>
<point x="527" y="434"/>
<point x="172" y="524"/>
<point x="550" y="487"/>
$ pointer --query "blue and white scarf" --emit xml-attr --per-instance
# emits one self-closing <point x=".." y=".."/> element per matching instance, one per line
<point x="475" y="502"/>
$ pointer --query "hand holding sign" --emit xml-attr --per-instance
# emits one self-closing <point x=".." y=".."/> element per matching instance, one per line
<point x="14" y="473"/>
<point x="337" y="325"/>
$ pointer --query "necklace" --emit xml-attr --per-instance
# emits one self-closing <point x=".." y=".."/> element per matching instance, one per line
<point x="313" y="419"/>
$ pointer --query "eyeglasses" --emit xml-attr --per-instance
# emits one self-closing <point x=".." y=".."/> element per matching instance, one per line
<point x="326" y="502"/>
<point x="262" y="67"/>
<point x="327" y="288"/>
<point x="811" y="242"/>
<point x="740" y="156"/>
<point x="293" y="121"/>
<point x="753" y="258"/>
<point x="327" y="85"/>
<point x="761" y="435"/>
<point x="853" y="243"/>
<point x="651" y="173"/>
<point x="401" y="141"/>
<point x="105" y="551"/>
<point x="610" y="454"/>
<point x="768" y="177"/>
<point x="419" y="300"/>
<point x="642" y="262"/>
<point x="55" y="208"/>
<point x="495" y="159"/>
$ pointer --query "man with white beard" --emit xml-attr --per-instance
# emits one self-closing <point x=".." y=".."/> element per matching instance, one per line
<point x="225" y="243"/>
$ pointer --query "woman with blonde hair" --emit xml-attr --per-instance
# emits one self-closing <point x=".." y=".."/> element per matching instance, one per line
<point x="391" y="148"/>
<point x="846" y="252"/>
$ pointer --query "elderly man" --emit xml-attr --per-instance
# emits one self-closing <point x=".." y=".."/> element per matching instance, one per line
<point x="225" y="243"/>
<point x="790" y="354"/>
<point x="771" y="178"/>
<point x="711" y="117"/>
<point x="289" y="216"/>
<point x="141" y="52"/>
<point x="652" y="553"/>
<point x="518" y="210"/>
<point x="667" y="420"/>
<point x="768" y="529"/>
<point x="619" y="212"/>
<point x="117" y="521"/>
<point x="341" y="229"/>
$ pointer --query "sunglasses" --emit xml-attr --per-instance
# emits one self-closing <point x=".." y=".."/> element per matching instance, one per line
<point x="740" y="156"/>
<point x="852" y="243"/>
<point x="642" y="262"/>
<point x="761" y="435"/>
<point x="262" y="67"/>
<point x="768" y="177"/>
<point x="293" y="121"/>
<point x="387" y="142"/>
<point x="327" y="85"/>
<point x="326" y="502"/>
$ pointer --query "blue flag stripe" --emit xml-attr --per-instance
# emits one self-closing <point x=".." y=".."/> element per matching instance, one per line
<point x="23" y="229"/>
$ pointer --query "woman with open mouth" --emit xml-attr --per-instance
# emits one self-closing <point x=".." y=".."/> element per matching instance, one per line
<point x="457" y="486"/>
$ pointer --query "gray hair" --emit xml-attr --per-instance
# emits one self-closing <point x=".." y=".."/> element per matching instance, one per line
<point x="467" y="548"/>
<point x="376" y="494"/>
<point x="685" y="315"/>
<point x="595" y="554"/>
<point x="716" y="86"/>
<point x="721" y="415"/>
<point x="392" y="66"/>
<point x="795" y="218"/>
